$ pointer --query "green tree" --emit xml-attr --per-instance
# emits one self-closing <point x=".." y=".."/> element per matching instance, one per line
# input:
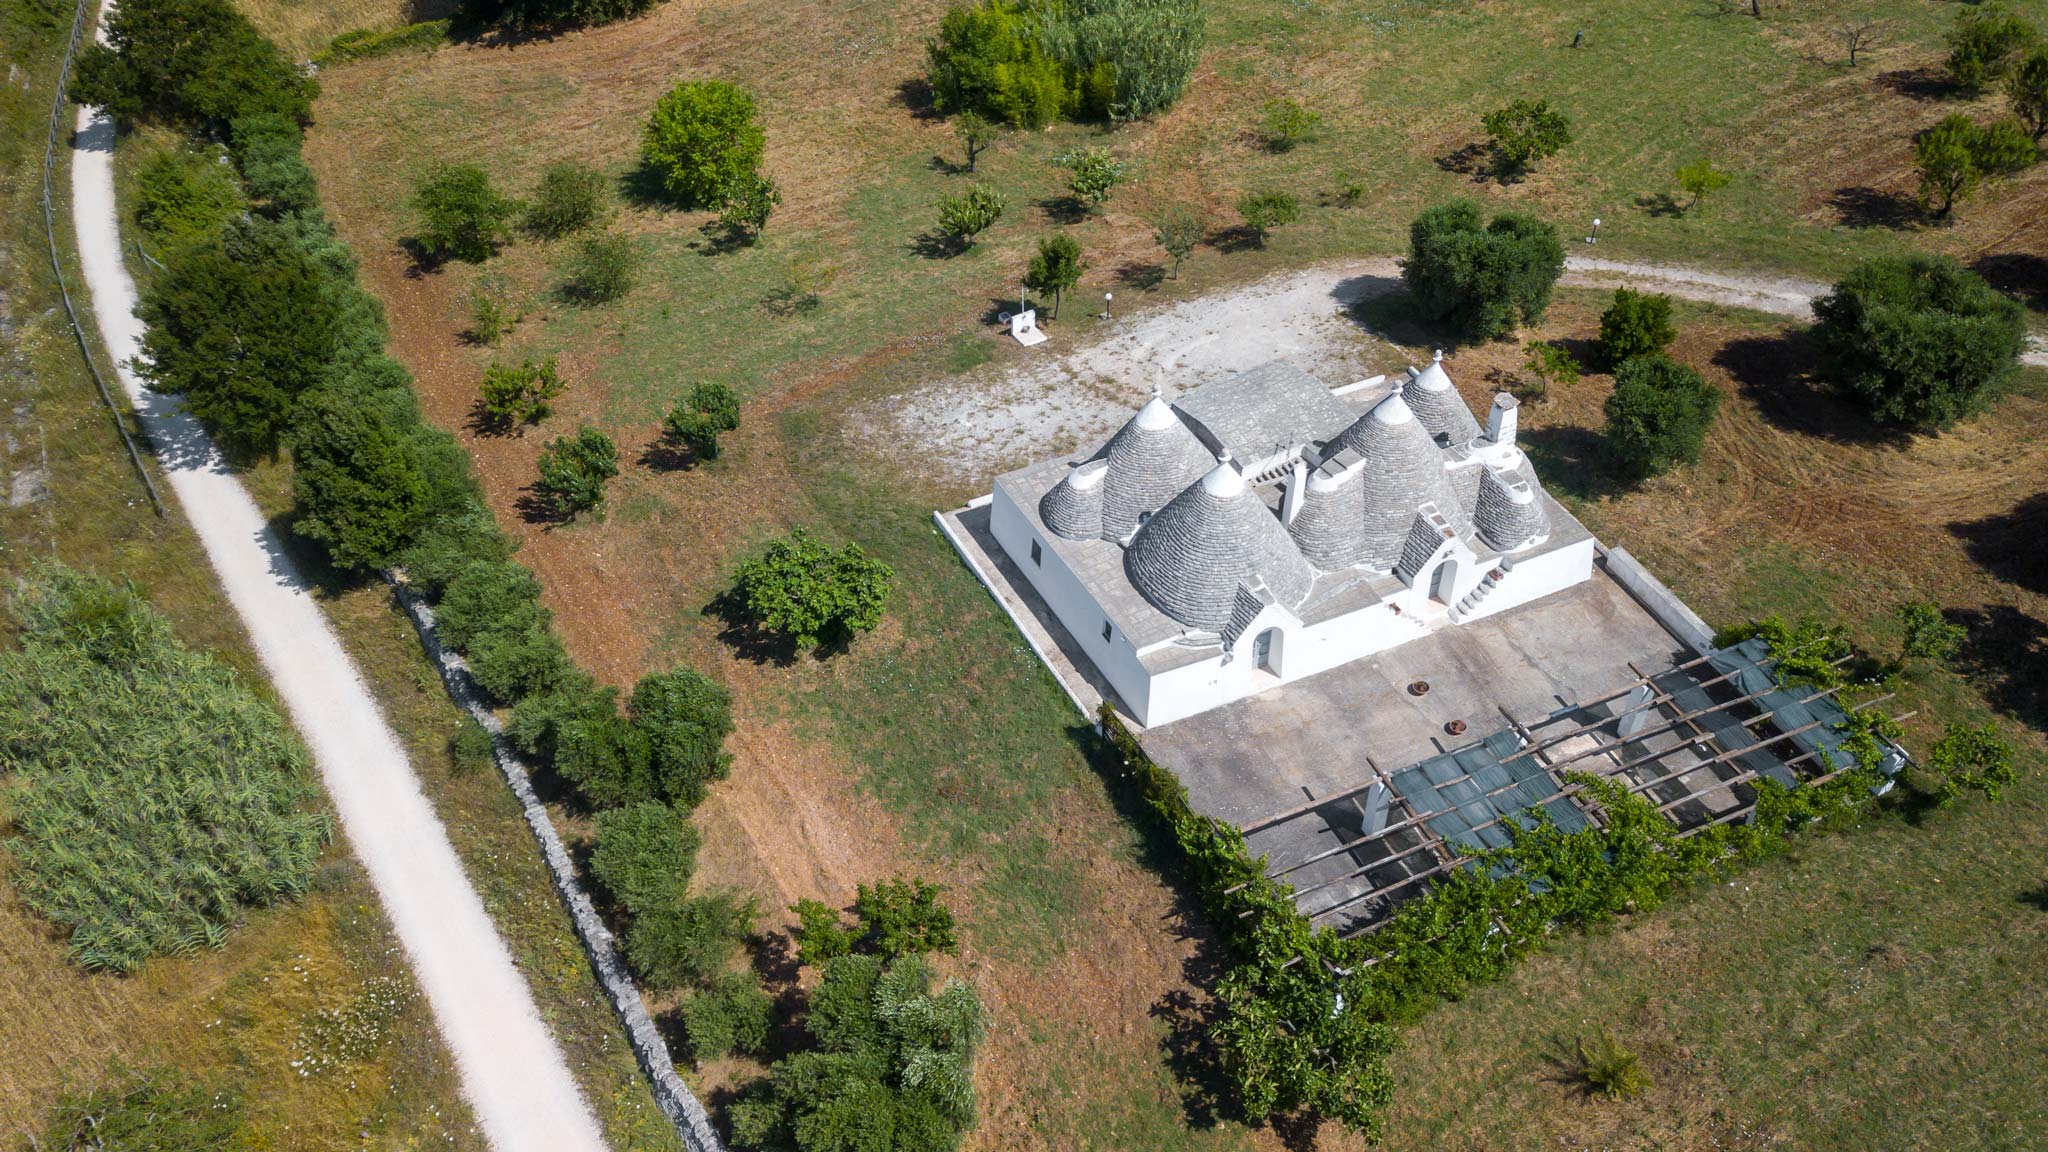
<point x="1700" y="179"/>
<point x="1919" y="340"/>
<point x="1179" y="230"/>
<point x="1928" y="634"/>
<point x="1095" y="174"/>
<point x="461" y="216"/>
<point x="904" y="916"/>
<point x="686" y="718"/>
<point x="1985" y="44"/>
<point x="891" y="1067"/>
<point x="1955" y="155"/>
<point x="574" y="469"/>
<point x="1289" y="125"/>
<point x="1128" y="58"/>
<point x="1524" y="132"/>
<point x="356" y="484"/>
<point x="971" y="213"/>
<point x="191" y="63"/>
<point x="1552" y="365"/>
<point x="514" y="395"/>
<point x="2027" y="90"/>
<point x="989" y="59"/>
<point x="239" y="327"/>
<point x="1658" y="415"/>
<point x="1636" y="324"/>
<point x="1970" y="757"/>
<point x="266" y="147"/>
<point x="711" y="410"/>
<point x="690" y="944"/>
<point x="1264" y="211"/>
<point x="603" y="268"/>
<point x="821" y="933"/>
<point x="704" y="141"/>
<point x="748" y="204"/>
<point x="569" y="198"/>
<point x="802" y="589"/>
<point x="976" y="133"/>
<point x="645" y="855"/>
<point x="1055" y="267"/>
<point x="186" y="195"/>
<point x="1481" y="278"/>
<point x="731" y="1015"/>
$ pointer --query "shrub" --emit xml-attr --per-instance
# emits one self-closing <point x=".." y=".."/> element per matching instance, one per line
<point x="240" y="327"/>
<point x="574" y="470"/>
<point x="747" y="207"/>
<point x="645" y="855"/>
<point x="704" y="142"/>
<point x="989" y="60"/>
<point x="266" y="146"/>
<point x="607" y="758"/>
<point x="356" y="485"/>
<point x="686" y="718"/>
<point x="800" y="589"/>
<point x="691" y="943"/>
<point x="489" y="595"/>
<point x="905" y="916"/>
<point x="449" y="544"/>
<point x="821" y="934"/>
<point x="971" y="213"/>
<point x="1987" y="42"/>
<point x="1482" y="280"/>
<point x="732" y="1015"/>
<point x="976" y="133"/>
<point x="1552" y="365"/>
<point x="1929" y="635"/>
<point x="185" y="195"/>
<point x="1289" y="125"/>
<point x="366" y="43"/>
<point x="1524" y="132"/>
<point x="2027" y="90"/>
<point x="1609" y="1068"/>
<point x="519" y="395"/>
<point x="1095" y="174"/>
<point x="1264" y="211"/>
<point x="1179" y="229"/>
<point x="156" y="797"/>
<point x="1919" y="340"/>
<point x="490" y="317"/>
<point x="1957" y="153"/>
<point x="602" y="269"/>
<point x="191" y="63"/>
<point x="461" y="216"/>
<point x="553" y="13"/>
<point x="148" y="1112"/>
<point x="893" y="1067"/>
<point x="1658" y="415"/>
<point x="1129" y="58"/>
<point x="569" y="198"/>
<point x="469" y="748"/>
<point x="1970" y="757"/>
<point x="1055" y="267"/>
<point x="710" y="411"/>
<point x="1699" y="179"/>
<point x="1636" y="324"/>
<point x="514" y="664"/>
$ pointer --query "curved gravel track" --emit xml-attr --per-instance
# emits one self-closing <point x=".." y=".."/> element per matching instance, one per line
<point x="512" y="1072"/>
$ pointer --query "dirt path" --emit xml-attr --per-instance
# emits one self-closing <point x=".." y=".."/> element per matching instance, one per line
<point x="974" y="427"/>
<point x="512" y="1071"/>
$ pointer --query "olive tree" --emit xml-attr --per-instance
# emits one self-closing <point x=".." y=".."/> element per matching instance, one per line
<point x="704" y="141"/>
<point x="1482" y="278"/>
<point x="1919" y="340"/>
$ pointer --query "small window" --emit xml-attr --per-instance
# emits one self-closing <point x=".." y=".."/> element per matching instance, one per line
<point x="1037" y="553"/>
<point x="1105" y="629"/>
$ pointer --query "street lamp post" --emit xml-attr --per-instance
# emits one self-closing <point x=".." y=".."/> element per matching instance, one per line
<point x="1595" y="237"/>
<point x="1105" y="305"/>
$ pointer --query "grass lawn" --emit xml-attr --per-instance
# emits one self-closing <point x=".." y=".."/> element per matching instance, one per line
<point x="939" y="746"/>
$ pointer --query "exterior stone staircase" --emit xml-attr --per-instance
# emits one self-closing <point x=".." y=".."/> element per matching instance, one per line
<point x="1471" y="601"/>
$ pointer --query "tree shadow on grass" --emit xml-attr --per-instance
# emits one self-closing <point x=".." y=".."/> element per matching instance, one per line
<point x="1384" y="308"/>
<point x="536" y="506"/>
<point x="915" y="94"/>
<point x="2011" y="545"/>
<point x="643" y="187"/>
<point x="936" y="246"/>
<point x="1573" y="460"/>
<point x="748" y="640"/>
<point x="1661" y="205"/>
<point x="1064" y="209"/>
<point x="667" y="454"/>
<point x="2035" y="898"/>
<point x="1143" y="275"/>
<point x="1236" y="238"/>
<point x="2006" y="657"/>
<point x="1867" y="207"/>
<point x="1780" y="374"/>
<point x="2021" y="275"/>
<point x="1919" y="83"/>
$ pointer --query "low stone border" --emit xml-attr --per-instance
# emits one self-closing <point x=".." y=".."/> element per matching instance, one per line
<point x="674" y="1097"/>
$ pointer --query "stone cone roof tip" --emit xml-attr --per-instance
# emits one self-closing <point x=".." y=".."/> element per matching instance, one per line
<point x="1073" y="507"/>
<point x="1192" y="555"/>
<point x="1437" y="404"/>
<point x="1401" y="469"/>
<point x="1150" y="459"/>
<point x="1508" y="515"/>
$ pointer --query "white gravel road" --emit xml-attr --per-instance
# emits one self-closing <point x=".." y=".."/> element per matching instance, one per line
<point x="512" y="1072"/>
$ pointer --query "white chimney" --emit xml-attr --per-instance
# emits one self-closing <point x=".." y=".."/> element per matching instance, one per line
<point x="1500" y="423"/>
<point x="1290" y="506"/>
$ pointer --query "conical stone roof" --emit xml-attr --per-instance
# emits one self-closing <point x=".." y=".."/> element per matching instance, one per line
<point x="1402" y="470"/>
<point x="1436" y="403"/>
<point x="1329" y="526"/>
<point x="1509" y="515"/>
<point x="1192" y="555"/>
<point x="1151" y="459"/>
<point x="1073" y="507"/>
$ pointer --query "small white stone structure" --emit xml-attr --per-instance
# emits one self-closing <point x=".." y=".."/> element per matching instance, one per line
<point x="1261" y="529"/>
<point x="1024" y="327"/>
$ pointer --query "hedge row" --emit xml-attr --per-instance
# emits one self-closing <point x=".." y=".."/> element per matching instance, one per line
<point x="1306" y="1021"/>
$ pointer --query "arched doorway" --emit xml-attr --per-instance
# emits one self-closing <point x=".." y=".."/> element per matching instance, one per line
<point x="1266" y="651"/>
<point x="1443" y="583"/>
